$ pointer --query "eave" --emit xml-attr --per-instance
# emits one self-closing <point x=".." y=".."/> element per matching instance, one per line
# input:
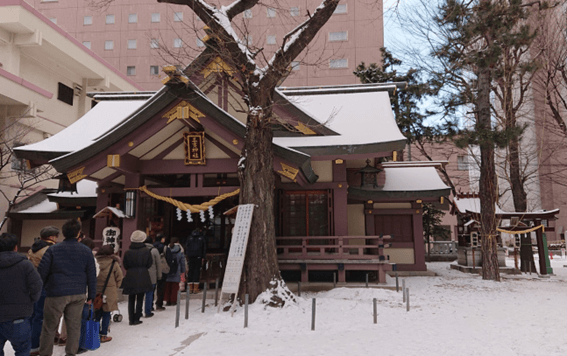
<point x="364" y="194"/>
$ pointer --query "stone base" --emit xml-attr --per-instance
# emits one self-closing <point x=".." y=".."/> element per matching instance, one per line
<point x="465" y="256"/>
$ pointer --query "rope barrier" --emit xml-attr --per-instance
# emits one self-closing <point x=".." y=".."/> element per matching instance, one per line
<point x="523" y="231"/>
<point x="189" y="207"/>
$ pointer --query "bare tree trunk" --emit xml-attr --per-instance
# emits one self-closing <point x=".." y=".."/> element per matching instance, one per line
<point x="487" y="190"/>
<point x="257" y="187"/>
<point x="518" y="192"/>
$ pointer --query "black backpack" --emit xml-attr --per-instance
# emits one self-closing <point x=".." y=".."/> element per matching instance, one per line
<point x="171" y="259"/>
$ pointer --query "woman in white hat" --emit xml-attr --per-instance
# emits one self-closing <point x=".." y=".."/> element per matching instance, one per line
<point x="137" y="261"/>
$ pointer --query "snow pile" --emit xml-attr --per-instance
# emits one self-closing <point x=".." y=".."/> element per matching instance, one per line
<point x="451" y="314"/>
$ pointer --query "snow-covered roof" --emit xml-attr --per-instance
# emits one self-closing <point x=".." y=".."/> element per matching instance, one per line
<point x="45" y="206"/>
<point x="109" y="209"/>
<point x="87" y="129"/>
<point x="358" y="117"/>
<point x="412" y="179"/>
<point x="85" y="189"/>
<point x="471" y="204"/>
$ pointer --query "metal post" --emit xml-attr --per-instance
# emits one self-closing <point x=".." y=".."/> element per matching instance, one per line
<point x="246" y="311"/>
<point x="367" y="280"/>
<point x="404" y="289"/>
<point x="334" y="280"/>
<point x="204" y="298"/>
<point x="177" y="308"/>
<point x="407" y="299"/>
<point x="217" y="292"/>
<point x="375" y="311"/>
<point x="313" y="314"/>
<point x="397" y="283"/>
<point x="187" y="303"/>
<point x="299" y="289"/>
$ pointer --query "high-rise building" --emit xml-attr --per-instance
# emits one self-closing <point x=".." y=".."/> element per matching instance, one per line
<point x="139" y="36"/>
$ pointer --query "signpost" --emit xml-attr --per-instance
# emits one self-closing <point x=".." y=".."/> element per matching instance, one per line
<point x="237" y="251"/>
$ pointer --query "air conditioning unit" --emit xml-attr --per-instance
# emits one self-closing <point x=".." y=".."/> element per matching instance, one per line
<point x="474" y="239"/>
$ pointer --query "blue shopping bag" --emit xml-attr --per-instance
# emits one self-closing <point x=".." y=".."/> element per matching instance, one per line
<point x="90" y="338"/>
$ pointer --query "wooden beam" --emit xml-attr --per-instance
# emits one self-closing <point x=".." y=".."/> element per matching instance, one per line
<point x="178" y="166"/>
<point x="192" y="192"/>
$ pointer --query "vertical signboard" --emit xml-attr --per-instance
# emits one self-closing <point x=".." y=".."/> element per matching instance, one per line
<point x="237" y="251"/>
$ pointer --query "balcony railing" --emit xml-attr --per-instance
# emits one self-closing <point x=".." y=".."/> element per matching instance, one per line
<point x="328" y="247"/>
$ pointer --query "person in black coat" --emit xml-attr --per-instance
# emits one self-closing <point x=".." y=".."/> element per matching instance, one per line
<point x="137" y="261"/>
<point x="196" y="250"/>
<point x="20" y="288"/>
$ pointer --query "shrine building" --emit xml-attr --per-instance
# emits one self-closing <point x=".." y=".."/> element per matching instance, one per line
<point x="339" y="182"/>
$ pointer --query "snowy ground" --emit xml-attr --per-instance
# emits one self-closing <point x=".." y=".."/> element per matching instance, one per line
<point x="452" y="314"/>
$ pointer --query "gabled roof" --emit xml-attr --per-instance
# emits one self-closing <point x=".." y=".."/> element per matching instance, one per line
<point x="471" y="205"/>
<point x="360" y="115"/>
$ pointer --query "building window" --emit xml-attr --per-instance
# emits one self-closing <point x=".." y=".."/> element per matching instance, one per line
<point x="130" y="70"/>
<point x="248" y="40"/>
<point x="177" y="43"/>
<point x="53" y="19"/>
<point x="271" y="39"/>
<point x="155" y="17"/>
<point x="87" y="20"/>
<point x="200" y="43"/>
<point x="305" y="213"/>
<point x="247" y="14"/>
<point x="341" y="9"/>
<point x="132" y="44"/>
<point x="87" y="44"/>
<point x="154" y="70"/>
<point x="271" y="12"/>
<point x="20" y="165"/>
<point x="295" y="66"/>
<point x="294" y="11"/>
<point x="463" y="163"/>
<point x="338" y="36"/>
<point x="154" y="43"/>
<point x="109" y="19"/>
<point x="133" y="18"/>
<point x="108" y="45"/>
<point x="178" y="16"/>
<point x="65" y="93"/>
<point x="338" y="63"/>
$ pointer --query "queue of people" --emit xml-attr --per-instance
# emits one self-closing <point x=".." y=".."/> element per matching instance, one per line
<point x="62" y="279"/>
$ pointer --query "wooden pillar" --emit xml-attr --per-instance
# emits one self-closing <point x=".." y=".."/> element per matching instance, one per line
<point x="129" y="225"/>
<point x="540" y="249"/>
<point x="102" y="201"/>
<point x="418" y="247"/>
<point x="340" y="192"/>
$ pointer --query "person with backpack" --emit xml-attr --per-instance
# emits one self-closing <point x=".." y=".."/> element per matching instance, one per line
<point x="196" y="249"/>
<point x="176" y="261"/>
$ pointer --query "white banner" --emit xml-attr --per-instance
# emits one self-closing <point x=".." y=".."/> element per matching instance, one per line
<point x="237" y="250"/>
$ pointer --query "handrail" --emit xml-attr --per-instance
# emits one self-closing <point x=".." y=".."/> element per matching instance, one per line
<point x="338" y="247"/>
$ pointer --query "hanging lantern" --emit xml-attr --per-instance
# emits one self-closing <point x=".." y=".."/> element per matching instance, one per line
<point x="369" y="175"/>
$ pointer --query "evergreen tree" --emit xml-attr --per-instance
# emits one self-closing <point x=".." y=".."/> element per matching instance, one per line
<point x="432" y="217"/>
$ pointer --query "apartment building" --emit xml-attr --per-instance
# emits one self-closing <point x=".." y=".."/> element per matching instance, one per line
<point x="139" y="36"/>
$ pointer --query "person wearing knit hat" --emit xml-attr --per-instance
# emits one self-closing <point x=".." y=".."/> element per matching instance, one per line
<point x="137" y="261"/>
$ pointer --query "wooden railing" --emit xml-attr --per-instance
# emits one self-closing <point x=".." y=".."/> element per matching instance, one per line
<point x="328" y="247"/>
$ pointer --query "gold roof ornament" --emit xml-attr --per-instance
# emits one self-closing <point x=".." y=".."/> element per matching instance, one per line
<point x="304" y="129"/>
<point x="217" y="65"/>
<point x="288" y="171"/>
<point x="173" y="73"/>
<point x="183" y="110"/>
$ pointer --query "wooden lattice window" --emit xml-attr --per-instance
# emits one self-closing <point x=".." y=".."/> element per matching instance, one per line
<point x="305" y="213"/>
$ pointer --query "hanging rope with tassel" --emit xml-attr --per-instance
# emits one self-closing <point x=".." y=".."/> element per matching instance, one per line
<point x="189" y="207"/>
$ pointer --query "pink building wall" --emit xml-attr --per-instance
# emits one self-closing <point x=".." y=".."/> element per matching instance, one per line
<point x="363" y="22"/>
